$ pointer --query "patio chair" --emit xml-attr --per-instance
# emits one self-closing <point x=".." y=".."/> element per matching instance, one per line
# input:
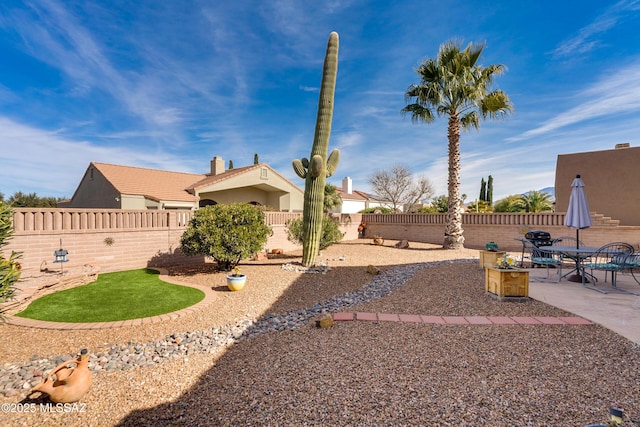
<point x="567" y="241"/>
<point x="537" y="256"/>
<point x="608" y="258"/>
<point x="632" y="264"/>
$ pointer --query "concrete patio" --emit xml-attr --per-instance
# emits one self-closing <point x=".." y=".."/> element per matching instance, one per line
<point x="615" y="310"/>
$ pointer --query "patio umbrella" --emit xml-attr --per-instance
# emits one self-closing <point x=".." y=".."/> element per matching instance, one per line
<point x="578" y="216"/>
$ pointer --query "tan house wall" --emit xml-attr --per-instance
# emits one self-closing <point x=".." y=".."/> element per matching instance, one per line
<point x="611" y="178"/>
<point x="133" y="202"/>
<point x="262" y="185"/>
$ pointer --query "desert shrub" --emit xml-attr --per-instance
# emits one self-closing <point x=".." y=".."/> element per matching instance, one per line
<point x="377" y="210"/>
<point x="330" y="232"/>
<point x="227" y="233"/>
<point x="9" y="267"/>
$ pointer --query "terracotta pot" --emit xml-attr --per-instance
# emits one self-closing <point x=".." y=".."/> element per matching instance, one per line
<point x="235" y="282"/>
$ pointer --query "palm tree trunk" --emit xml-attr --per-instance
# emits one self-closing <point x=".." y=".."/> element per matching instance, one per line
<point x="453" y="238"/>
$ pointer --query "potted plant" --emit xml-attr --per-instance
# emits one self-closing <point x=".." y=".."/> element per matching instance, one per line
<point x="378" y="240"/>
<point x="489" y="256"/>
<point x="236" y="280"/>
<point x="505" y="280"/>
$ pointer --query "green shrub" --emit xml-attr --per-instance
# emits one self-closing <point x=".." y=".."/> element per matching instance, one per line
<point x="377" y="210"/>
<point x="9" y="267"/>
<point x="330" y="232"/>
<point x="227" y="233"/>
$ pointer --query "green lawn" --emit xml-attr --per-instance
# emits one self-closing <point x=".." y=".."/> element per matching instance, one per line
<point x="114" y="296"/>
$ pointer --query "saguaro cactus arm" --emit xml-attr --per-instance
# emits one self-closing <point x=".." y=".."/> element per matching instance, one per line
<point x="332" y="162"/>
<point x="299" y="169"/>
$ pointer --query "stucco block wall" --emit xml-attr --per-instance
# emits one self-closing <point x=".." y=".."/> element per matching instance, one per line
<point x="611" y="180"/>
<point x="138" y="238"/>
<point x="152" y="238"/>
<point x="505" y="234"/>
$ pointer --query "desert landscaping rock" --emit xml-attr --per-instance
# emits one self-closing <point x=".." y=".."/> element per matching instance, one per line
<point x="256" y="357"/>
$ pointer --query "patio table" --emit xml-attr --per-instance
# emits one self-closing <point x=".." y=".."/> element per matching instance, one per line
<point x="578" y="255"/>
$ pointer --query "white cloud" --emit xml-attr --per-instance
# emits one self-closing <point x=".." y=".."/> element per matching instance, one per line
<point x="52" y="165"/>
<point x="617" y="92"/>
<point x="587" y="38"/>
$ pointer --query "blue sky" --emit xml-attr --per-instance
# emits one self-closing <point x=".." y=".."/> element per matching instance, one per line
<point x="170" y="84"/>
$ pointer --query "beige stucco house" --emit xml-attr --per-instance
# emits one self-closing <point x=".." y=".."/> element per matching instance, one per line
<point x="611" y="178"/>
<point x="110" y="186"/>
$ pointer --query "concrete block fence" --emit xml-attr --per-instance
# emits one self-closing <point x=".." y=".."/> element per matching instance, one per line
<point x="116" y="240"/>
<point x="502" y="228"/>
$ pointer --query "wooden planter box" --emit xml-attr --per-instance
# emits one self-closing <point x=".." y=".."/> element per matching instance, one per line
<point x="489" y="258"/>
<point x="507" y="283"/>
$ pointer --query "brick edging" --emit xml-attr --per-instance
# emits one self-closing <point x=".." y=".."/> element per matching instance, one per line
<point x="460" y="320"/>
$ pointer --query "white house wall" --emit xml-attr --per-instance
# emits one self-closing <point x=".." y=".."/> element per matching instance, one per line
<point x="352" y="206"/>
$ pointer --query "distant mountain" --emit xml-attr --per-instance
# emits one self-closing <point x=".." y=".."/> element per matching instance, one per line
<point x="550" y="191"/>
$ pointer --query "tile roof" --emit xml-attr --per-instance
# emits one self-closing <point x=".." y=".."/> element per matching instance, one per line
<point x="152" y="183"/>
<point x="206" y="180"/>
<point x="355" y="195"/>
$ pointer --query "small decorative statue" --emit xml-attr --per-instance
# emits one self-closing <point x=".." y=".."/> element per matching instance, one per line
<point x="66" y="383"/>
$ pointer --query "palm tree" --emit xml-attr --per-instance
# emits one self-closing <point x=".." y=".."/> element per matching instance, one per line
<point x="512" y="203"/>
<point x="332" y="198"/>
<point x="538" y="201"/>
<point x="455" y="85"/>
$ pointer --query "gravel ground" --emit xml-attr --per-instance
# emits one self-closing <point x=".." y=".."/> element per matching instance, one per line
<point x="355" y="373"/>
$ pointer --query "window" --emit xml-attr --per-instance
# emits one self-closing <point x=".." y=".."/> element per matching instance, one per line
<point x="206" y="202"/>
<point x="263" y="173"/>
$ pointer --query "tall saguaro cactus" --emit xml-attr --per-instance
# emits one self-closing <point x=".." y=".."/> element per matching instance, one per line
<point x="316" y="171"/>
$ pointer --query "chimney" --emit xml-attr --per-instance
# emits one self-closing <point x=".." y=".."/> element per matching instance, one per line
<point x="347" y="185"/>
<point x="217" y="166"/>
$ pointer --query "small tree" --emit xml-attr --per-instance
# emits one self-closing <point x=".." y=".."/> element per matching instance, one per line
<point x="32" y="200"/>
<point x="398" y="187"/>
<point x="9" y="267"/>
<point x="227" y="233"/>
<point x="479" y="206"/>
<point x="230" y="164"/>
<point x="513" y="203"/>
<point x="441" y="203"/>
<point x="329" y="235"/>
<point x="255" y="159"/>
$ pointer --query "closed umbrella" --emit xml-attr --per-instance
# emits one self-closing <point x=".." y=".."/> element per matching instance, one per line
<point x="578" y="216"/>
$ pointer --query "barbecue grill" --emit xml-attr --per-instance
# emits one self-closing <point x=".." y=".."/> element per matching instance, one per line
<point x="539" y="238"/>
